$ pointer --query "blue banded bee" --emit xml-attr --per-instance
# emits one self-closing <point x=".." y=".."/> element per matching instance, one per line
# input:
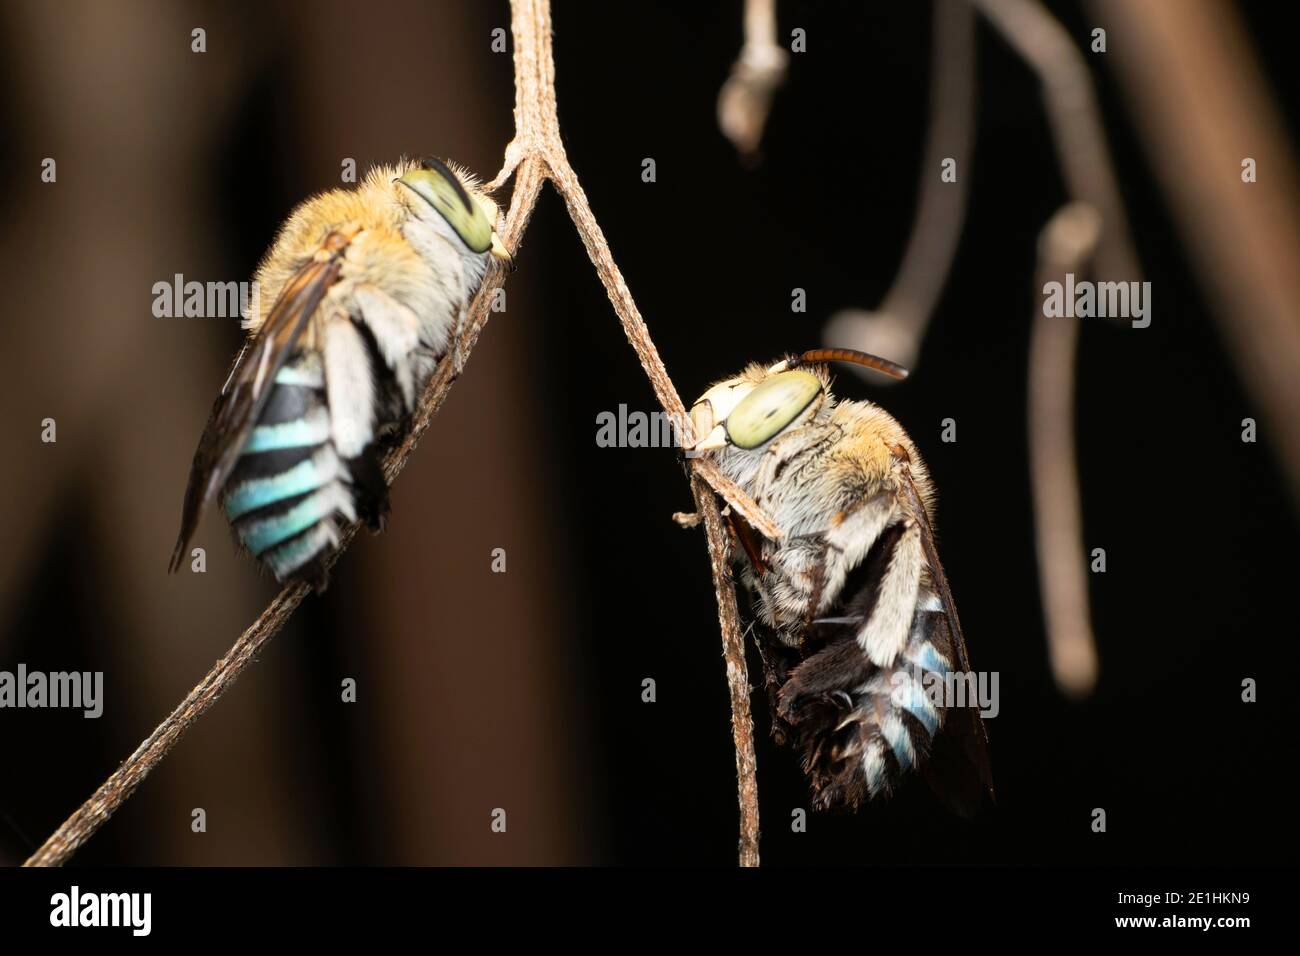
<point x="367" y="289"/>
<point x="852" y="606"/>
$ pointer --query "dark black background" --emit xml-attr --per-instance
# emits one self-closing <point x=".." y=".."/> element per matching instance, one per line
<point x="1198" y="529"/>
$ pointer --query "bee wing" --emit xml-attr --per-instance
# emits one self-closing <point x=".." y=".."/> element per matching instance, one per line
<point x="244" y="395"/>
<point x="968" y="743"/>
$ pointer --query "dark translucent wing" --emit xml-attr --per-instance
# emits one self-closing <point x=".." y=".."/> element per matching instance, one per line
<point x="968" y="739"/>
<point x="237" y="408"/>
<point x="748" y="541"/>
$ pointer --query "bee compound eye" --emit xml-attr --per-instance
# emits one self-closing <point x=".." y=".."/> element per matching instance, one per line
<point x="437" y="185"/>
<point x="770" y="408"/>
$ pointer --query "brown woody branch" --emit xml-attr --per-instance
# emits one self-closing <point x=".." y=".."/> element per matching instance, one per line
<point x="746" y="98"/>
<point x="1066" y="244"/>
<point x="897" y="326"/>
<point x="1081" y="148"/>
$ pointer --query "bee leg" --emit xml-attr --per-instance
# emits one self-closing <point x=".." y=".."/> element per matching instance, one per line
<point x="320" y="581"/>
<point x="369" y="489"/>
<point x="748" y="540"/>
<point x="776" y="660"/>
<point x="830" y="676"/>
<point x="313" y="573"/>
<point x="817" y="584"/>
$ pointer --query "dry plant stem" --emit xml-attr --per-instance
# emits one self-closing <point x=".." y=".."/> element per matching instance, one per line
<point x="733" y="652"/>
<point x="537" y="137"/>
<point x="1076" y="123"/>
<point x="933" y="242"/>
<point x="897" y="327"/>
<point x="531" y="25"/>
<point x="1080" y="140"/>
<point x="746" y="97"/>
<point x="1066" y="244"/>
<point x="535" y="155"/>
<point x="94" y="813"/>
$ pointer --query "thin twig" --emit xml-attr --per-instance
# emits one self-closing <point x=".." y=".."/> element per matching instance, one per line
<point x="733" y="652"/>
<point x="1077" y="129"/>
<point x="535" y="155"/>
<point x="897" y="326"/>
<point x="1080" y="139"/>
<point x="1065" y="244"/>
<point x="535" y="16"/>
<point x="94" y="813"/>
<point x="746" y="98"/>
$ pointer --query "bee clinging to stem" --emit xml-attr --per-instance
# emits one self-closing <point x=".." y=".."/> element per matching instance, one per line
<point x="853" y="610"/>
<point x="359" y="298"/>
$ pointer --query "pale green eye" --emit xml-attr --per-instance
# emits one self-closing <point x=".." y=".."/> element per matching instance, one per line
<point x="438" y="186"/>
<point x="770" y="407"/>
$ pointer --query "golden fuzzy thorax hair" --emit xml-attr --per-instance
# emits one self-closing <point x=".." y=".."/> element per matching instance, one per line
<point x="429" y="277"/>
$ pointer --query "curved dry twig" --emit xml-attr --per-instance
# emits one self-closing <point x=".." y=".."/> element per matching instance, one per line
<point x="745" y="100"/>
<point x="535" y="155"/>
<point x="1077" y="129"/>
<point x="897" y="326"/>
<point x="1081" y="148"/>
<point x="1065" y="244"/>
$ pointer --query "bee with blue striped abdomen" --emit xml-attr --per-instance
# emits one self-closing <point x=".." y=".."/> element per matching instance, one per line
<point x="359" y="298"/>
<point x="854" y="617"/>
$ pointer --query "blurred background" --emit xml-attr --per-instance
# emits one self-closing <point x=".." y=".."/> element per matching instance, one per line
<point x="523" y="690"/>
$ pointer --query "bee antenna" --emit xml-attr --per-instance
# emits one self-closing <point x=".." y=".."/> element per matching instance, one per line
<point x="865" y="359"/>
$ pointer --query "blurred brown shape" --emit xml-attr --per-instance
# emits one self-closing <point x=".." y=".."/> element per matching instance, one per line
<point x="746" y="97"/>
<point x="1202" y="107"/>
<point x="111" y="99"/>
<point x="1066" y="244"/>
<point x="897" y="327"/>
<point x="1077" y="128"/>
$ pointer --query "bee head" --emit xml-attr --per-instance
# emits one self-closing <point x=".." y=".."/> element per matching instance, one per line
<point x="457" y="198"/>
<point x="750" y="410"/>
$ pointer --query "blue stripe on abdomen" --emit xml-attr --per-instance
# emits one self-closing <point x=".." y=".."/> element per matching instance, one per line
<point x="928" y="658"/>
<point x="257" y="493"/>
<point x="312" y="429"/>
<point x="913" y="698"/>
<point x="306" y="374"/>
<point x="289" y="492"/>
<point x="900" y="741"/>
<point x="258" y="536"/>
<point x="285" y="559"/>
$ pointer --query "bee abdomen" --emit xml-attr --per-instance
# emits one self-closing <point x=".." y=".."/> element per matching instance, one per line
<point x="861" y="728"/>
<point x="290" y="488"/>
